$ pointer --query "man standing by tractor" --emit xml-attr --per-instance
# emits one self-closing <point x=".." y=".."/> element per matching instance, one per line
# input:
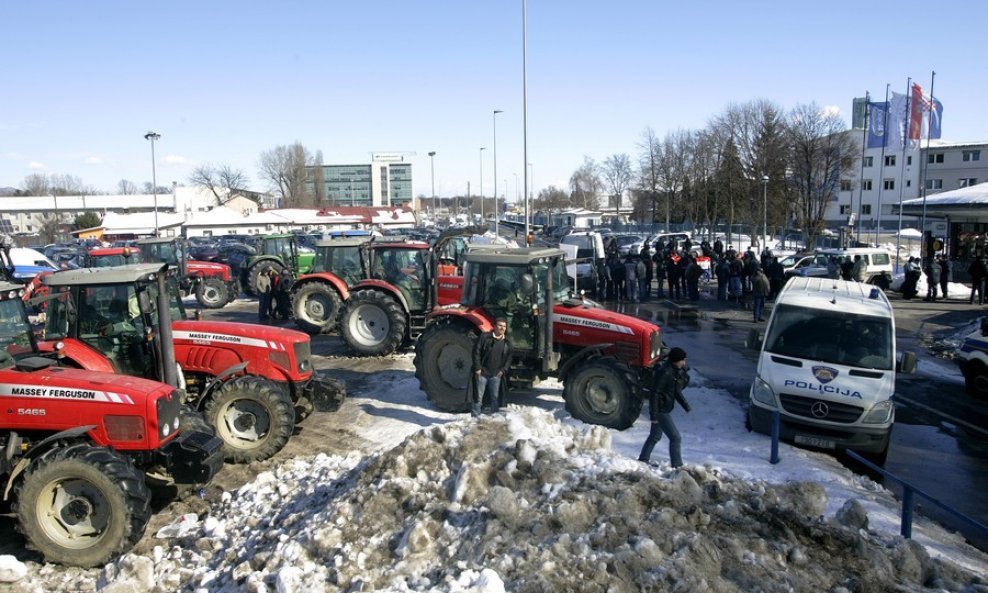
<point x="491" y="357"/>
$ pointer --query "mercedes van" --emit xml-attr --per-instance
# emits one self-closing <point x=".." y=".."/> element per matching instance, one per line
<point x="827" y="364"/>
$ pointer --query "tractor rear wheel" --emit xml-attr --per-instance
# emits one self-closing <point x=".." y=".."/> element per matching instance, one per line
<point x="212" y="293"/>
<point x="373" y="323"/>
<point x="82" y="505"/>
<point x="259" y="268"/>
<point x="316" y="305"/>
<point x="254" y="418"/>
<point x="443" y="357"/>
<point x="602" y="391"/>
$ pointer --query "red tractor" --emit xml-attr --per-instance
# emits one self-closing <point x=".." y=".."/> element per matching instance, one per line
<point x="601" y="357"/>
<point x="252" y="382"/>
<point x="104" y="257"/>
<point x="80" y="448"/>
<point x="213" y="284"/>
<point x="380" y="288"/>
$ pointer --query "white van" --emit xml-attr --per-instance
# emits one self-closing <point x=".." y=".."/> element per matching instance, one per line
<point x="828" y="365"/>
<point x="590" y="257"/>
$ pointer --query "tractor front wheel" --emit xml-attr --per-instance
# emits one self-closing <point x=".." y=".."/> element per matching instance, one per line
<point x="254" y="418"/>
<point x="373" y="323"/>
<point x="316" y="305"/>
<point x="212" y="293"/>
<point x="602" y="391"/>
<point x="443" y="358"/>
<point x="82" y="505"/>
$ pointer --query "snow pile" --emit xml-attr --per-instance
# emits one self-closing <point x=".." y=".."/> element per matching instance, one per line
<point x="523" y="502"/>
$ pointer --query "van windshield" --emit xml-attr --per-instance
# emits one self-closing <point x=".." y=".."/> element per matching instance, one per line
<point x="831" y="336"/>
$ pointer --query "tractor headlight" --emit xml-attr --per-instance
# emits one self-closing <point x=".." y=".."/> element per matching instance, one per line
<point x="762" y="393"/>
<point x="880" y="413"/>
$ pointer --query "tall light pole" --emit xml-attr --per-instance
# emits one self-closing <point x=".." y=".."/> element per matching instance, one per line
<point x="435" y="202"/>
<point x="764" y="212"/>
<point x="496" y="111"/>
<point x="516" y="189"/>
<point x="482" y="149"/>
<point x="152" y="136"/>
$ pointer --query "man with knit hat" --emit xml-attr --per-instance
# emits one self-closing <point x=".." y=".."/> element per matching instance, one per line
<point x="667" y="388"/>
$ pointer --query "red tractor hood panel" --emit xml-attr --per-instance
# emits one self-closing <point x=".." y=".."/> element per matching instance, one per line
<point x="187" y="329"/>
<point x="77" y="385"/>
<point x="209" y="269"/>
<point x="598" y="318"/>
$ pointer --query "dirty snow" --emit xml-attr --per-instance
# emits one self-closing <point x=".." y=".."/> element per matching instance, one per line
<point x="529" y="500"/>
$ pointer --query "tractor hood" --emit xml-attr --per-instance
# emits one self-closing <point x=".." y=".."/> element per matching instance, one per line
<point x="203" y="268"/>
<point x="602" y="319"/>
<point x="59" y="383"/>
<point x="247" y="334"/>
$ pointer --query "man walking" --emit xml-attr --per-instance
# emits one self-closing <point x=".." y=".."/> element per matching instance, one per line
<point x="491" y="357"/>
<point x="760" y="288"/>
<point x="667" y="389"/>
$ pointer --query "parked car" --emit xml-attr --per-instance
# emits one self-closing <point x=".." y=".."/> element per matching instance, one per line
<point x="624" y="243"/>
<point x="879" y="263"/>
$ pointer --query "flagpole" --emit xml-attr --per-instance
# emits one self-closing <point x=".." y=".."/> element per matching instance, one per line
<point x="926" y="165"/>
<point x="864" y="145"/>
<point x="881" y="188"/>
<point x="902" y="176"/>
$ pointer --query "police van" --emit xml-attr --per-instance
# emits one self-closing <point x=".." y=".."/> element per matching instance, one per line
<point x="827" y="364"/>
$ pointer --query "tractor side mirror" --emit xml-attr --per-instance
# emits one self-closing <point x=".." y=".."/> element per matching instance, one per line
<point x="527" y="284"/>
<point x="144" y="300"/>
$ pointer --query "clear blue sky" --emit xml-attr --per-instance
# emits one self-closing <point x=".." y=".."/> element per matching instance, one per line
<point x="222" y="81"/>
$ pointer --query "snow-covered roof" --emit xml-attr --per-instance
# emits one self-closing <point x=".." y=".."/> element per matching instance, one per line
<point x="972" y="194"/>
<point x="138" y="223"/>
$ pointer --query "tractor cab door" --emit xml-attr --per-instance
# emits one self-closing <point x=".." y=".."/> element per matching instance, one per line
<point x="504" y="295"/>
<point x="109" y="319"/>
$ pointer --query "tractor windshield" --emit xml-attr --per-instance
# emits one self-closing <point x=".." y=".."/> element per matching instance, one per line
<point x="15" y="332"/>
<point x="170" y="253"/>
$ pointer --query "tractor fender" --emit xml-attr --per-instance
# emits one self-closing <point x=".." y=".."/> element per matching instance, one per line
<point x="331" y="279"/>
<point x="384" y="287"/>
<point x="459" y="314"/>
<point x="581" y="356"/>
<point x="220" y="378"/>
<point x="40" y="447"/>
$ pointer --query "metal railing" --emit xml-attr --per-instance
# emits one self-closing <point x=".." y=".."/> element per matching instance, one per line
<point x="909" y="492"/>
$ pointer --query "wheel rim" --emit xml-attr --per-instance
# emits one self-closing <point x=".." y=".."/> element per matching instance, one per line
<point x="370" y="325"/>
<point x="243" y="423"/>
<point x="454" y="364"/>
<point x="600" y="395"/>
<point x="317" y="308"/>
<point x="73" y="513"/>
<point x="210" y="294"/>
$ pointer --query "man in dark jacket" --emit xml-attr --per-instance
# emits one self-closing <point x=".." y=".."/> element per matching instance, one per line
<point x="946" y="273"/>
<point x="491" y="357"/>
<point x="977" y="271"/>
<point x="667" y="389"/>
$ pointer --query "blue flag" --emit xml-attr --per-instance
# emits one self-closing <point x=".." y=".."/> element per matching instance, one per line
<point x="877" y="124"/>
<point x="935" y="118"/>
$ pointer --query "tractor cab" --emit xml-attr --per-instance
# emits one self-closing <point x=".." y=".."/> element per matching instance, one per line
<point x="342" y="257"/>
<point x="114" y="311"/>
<point x="169" y="250"/>
<point x="520" y="285"/>
<point x="16" y="338"/>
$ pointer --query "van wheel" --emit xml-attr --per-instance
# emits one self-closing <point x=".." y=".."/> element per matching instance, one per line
<point x="976" y="379"/>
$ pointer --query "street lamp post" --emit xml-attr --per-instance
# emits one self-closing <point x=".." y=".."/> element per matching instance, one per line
<point x="764" y="212"/>
<point x="482" y="219"/>
<point x="152" y="136"/>
<point x="435" y="202"/>
<point x="496" y="111"/>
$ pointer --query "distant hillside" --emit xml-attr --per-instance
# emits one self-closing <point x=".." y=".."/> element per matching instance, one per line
<point x="7" y="191"/>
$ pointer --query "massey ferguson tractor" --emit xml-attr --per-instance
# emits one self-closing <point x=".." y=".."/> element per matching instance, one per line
<point x="213" y="284"/>
<point x="252" y="382"/>
<point x="80" y="448"/>
<point x="601" y="357"/>
<point x="380" y="288"/>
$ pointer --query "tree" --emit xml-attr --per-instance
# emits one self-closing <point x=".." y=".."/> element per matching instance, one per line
<point x="86" y="220"/>
<point x="284" y="168"/>
<point x="50" y="230"/>
<point x="36" y="184"/>
<point x="819" y="150"/>
<point x="617" y="173"/>
<point x="126" y="187"/>
<point x="649" y="156"/>
<point x="551" y="199"/>
<point x="222" y="181"/>
<point x="585" y="184"/>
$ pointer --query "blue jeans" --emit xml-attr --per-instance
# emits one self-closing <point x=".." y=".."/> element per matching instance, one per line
<point x="663" y="425"/>
<point x="490" y="386"/>
<point x="758" y="305"/>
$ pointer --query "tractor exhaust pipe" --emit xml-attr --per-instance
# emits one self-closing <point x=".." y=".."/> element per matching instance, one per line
<point x="165" y="338"/>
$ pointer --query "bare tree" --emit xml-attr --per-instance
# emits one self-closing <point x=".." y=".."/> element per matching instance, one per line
<point x="649" y="157"/>
<point x="585" y="184"/>
<point x="222" y="181"/>
<point x="284" y="168"/>
<point x="36" y="184"/>
<point x="617" y="172"/>
<point x="551" y="199"/>
<point x="672" y="171"/>
<point x="819" y="148"/>
<point x="126" y="187"/>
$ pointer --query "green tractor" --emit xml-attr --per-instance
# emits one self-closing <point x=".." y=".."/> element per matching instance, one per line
<point x="278" y="252"/>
